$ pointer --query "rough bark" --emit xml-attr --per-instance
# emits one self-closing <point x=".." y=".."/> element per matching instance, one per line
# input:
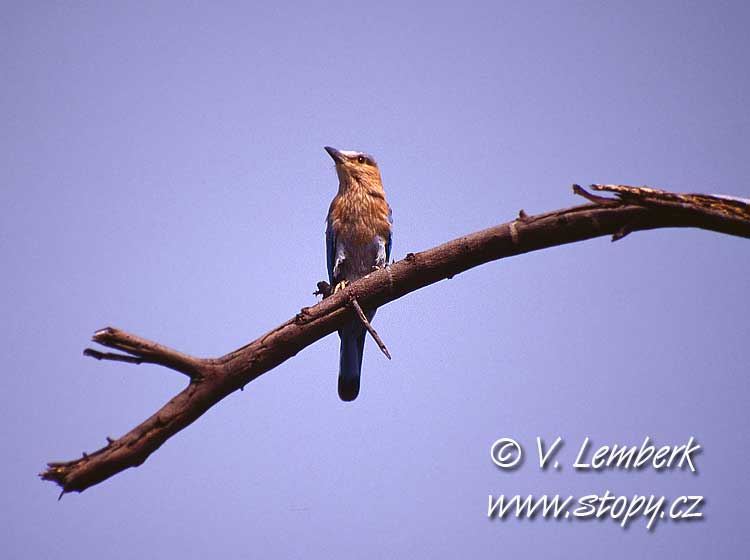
<point x="210" y="380"/>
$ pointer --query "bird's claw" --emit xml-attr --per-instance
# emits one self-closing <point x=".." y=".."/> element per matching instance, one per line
<point x="340" y="286"/>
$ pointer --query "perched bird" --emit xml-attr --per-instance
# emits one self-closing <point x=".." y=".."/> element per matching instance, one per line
<point x="358" y="240"/>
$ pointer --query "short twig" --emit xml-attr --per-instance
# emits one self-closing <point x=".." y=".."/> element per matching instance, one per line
<point x="143" y="352"/>
<point x="112" y="356"/>
<point x="600" y="200"/>
<point x="368" y="326"/>
<point x="622" y="232"/>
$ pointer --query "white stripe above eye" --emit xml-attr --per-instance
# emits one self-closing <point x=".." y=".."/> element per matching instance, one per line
<point x="351" y="153"/>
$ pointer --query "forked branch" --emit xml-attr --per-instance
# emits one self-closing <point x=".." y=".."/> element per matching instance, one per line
<point x="210" y="380"/>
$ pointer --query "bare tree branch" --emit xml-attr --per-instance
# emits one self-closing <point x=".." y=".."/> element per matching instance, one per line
<point x="635" y="208"/>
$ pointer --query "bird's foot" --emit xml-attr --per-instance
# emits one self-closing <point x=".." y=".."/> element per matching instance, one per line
<point x="324" y="289"/>
<point x="340" y="286"/>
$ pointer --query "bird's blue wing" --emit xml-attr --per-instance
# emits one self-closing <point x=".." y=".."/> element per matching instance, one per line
<point x="390" y="237"/>
<point x="330" y="250"/>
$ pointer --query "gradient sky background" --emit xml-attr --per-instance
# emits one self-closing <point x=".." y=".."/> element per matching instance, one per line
<point x="162" y="170"/>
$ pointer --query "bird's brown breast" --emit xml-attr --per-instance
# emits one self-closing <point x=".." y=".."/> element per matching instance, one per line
<point x="361" y="213"/>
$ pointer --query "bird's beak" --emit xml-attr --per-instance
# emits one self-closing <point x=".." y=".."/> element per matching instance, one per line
<point x="335" y="154"/>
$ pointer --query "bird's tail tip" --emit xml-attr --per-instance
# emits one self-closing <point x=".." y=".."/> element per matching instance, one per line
<point x="348" y="389"/>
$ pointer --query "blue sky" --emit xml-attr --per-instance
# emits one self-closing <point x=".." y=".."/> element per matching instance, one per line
<point x="162" y="170"/>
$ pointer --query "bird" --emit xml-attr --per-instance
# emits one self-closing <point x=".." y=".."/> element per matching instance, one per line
<point x="358" y="240"/>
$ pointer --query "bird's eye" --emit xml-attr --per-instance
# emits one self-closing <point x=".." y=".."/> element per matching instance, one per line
<point x="361" y="159"/>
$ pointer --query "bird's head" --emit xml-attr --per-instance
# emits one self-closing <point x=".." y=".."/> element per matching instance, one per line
<point x="355" y="168"/>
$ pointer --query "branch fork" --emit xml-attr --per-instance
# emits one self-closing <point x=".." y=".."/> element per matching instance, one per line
<point x="325" y="290"/>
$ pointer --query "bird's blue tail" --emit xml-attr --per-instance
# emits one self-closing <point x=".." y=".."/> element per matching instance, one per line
<point x="350" y="364"/>
<point x="350" y="358"/>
